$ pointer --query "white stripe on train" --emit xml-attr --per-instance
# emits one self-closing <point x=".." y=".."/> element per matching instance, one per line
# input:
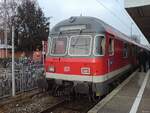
<point x="95" y="79"/>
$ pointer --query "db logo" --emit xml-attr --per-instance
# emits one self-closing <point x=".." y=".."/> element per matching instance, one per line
<point x="66" y="69"/>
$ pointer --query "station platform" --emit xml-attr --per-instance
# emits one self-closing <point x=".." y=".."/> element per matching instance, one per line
<point x="132" y="96"/>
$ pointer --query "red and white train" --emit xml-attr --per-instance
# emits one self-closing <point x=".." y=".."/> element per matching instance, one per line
<point x="89" y="54"/>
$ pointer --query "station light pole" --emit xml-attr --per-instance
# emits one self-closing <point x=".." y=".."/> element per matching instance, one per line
<point x="50" y="23"/>
<point x="43" y="52"/>
<point x="13" y="66"/>
<point x="131" y="31"/>
<point x="13" y="51"/>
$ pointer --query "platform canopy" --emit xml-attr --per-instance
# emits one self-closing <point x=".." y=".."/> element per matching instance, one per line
<point x="139" y="10"/>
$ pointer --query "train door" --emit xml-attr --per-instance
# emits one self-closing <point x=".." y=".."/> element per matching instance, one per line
<point x="132" y="55"/>
<point x="111" y="53"/>
<point x="126" y="57"/>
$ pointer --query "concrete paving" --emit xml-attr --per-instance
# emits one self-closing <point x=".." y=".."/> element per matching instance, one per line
<point x="123" y="101"/>
<point x="144" y="106"/>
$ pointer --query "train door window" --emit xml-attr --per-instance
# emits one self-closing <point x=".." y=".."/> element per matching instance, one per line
<point x="125" y="50"/>
<point x="111" y="46"/>
<point x="99" y="46"/>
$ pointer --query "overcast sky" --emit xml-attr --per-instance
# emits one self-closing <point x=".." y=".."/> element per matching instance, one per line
<point x="62" y="9"/>
<point x="110" y="11"/>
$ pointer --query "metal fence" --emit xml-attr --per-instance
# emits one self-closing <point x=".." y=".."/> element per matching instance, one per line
<point x="26" y="74"/>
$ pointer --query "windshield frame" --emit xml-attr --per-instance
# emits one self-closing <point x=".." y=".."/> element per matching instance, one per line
<point x="90" y="51"/>
<point x="57" y="37"/>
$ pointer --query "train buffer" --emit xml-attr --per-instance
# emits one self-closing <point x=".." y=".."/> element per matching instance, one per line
<point x="132" y="96"/>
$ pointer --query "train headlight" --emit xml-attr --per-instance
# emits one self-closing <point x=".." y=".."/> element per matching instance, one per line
<point x="51" y="69"/>
<point x="85" y="70"/>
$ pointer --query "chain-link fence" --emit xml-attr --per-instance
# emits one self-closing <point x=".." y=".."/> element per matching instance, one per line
<point x="26" y="74"/>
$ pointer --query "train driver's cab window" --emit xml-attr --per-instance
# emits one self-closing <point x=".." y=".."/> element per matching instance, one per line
<point x="125" y="50"/>
<point x="99" y="48"/>
<point x="80" y="45"/>
<point x="59" y="46"/>
<point x="111" y="46"/>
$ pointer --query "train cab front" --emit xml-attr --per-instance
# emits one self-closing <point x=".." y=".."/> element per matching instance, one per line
<point x="70" y="58"/>
<point x="77" y="59"/>
<point x="76" y="54"/>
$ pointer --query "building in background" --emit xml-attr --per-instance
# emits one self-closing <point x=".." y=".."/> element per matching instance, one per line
<point x="1" y="36"/>
<point x="4" y="46"/>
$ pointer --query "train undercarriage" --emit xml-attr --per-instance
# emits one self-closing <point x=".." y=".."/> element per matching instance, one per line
<point x="93" y="91"/>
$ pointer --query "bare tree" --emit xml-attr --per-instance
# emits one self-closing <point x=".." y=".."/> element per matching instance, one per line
<point x="7" y="7"/>
<point x="8" y="10"/>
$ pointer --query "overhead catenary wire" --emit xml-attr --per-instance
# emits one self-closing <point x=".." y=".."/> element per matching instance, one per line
<point x="128" y="27"/>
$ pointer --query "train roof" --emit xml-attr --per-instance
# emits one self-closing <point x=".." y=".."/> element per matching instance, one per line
<point x="92" y="24"/>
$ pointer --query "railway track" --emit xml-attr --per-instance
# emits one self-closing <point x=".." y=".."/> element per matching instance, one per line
<point x="76" y="106"/>
<point x="33" y="102"/>
<point x="55" y="106"/>
<point x="19" y="96"/>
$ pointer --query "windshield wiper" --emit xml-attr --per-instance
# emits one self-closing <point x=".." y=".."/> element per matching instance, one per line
<point x="80" y="45"/>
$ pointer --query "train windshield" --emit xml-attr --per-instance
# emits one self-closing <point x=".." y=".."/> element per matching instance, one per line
<point x="80" y="45"/>
<point x="59" y="46"/>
